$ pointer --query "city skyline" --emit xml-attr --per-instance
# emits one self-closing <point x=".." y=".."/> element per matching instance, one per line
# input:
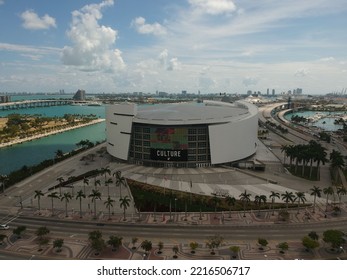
<point x="193" y="45"/>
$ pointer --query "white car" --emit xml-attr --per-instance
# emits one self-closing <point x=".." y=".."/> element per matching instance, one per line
<point x="4" y="227"/>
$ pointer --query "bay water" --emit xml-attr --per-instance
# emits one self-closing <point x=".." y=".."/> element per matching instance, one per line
<point x="33" y="152"/>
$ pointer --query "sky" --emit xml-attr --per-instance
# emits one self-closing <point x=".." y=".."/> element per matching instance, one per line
<point x="210" y="46"/>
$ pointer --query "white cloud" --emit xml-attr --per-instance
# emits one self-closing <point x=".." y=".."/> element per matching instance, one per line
<point x="2" y="2"/>
<point x="327" y="59"/>
<point x="213" y="7"/>
<point x="248" y="81"/>
<point x="142" y="27"/>
<point x="168" y="64"/>
<point x="33" y="22"/>
<point x="92" y="43"/>
<point x="303" y="72"/>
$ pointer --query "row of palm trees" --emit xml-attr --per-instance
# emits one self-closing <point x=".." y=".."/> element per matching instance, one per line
<point x="305" y="154"/>
<point x="94" y="195"/>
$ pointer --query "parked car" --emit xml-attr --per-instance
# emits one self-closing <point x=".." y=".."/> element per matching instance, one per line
<point x="4" y="227"/>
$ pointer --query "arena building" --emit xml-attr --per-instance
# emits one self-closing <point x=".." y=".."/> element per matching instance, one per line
<point x="182" y="134"/>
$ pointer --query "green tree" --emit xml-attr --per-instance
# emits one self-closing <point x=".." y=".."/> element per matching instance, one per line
<point x="124" y="203"/>
<point x="328" y="191"/>
<point x="133" y="242"/>
<point x="287" y="197"/>
<point x="61" y="181"/>
<point x="193" y="246"/>
<point x="96" y="241"/>
<point x="96" y="194"/>
<point x="273" y="196"/>
<point x="67" y="197"/>
<point x="340" y="192"/>
<point x="52" y="196"/>
<point x="235" y="250"/>
<point x="262" y="242"/>
<point x="334" y="237"/>
<point x="38" y="195"/>
<point x="231" y="201"/>
<point x="316" y="192"/>
<point x="42" y="233"/>
<point x="80" y="195"/>
<point x="85" y="183"/>
<point x="19" y="230"/>
<point x="300" y="197"/>
<point x="120" y="181"/>
<point x="258" y="199"/>
<point x="115" y="242"/>
<point x="58" y="244"/>
<point x="146" y="245"/>
<point x="283" y="247"/>
<point x="309" y="243"/>
<point x="109" y="204"/>
<point x="245" y="199"/>
<point x="313" y="235"/>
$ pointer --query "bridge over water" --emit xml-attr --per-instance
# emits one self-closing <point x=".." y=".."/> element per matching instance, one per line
<point x="34" y="103"/>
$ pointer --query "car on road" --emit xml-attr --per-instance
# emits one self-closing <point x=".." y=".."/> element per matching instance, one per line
<point x="4" y="227"/>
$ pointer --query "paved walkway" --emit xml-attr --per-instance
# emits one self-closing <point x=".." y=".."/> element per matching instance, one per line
<point x="219" y="180"/>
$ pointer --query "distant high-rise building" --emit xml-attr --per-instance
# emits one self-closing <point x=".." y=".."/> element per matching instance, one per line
<point x="5" y="98"/>
<point x="184" y="92"/>
<point x="273" y="91"/>
<point x="80" y="95"/>
<point x="267" y="91"/>
<point x="299" y="91"/>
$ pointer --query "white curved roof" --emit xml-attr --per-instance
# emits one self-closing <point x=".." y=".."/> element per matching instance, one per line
<point x="193" y="113"/>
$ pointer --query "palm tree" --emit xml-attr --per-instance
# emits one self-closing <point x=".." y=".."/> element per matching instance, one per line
<point x="258" y="199"/>
<point x="300" y="197"/>
<point x="115" y="242"/>
<point x="97" y="183"/>
<point x="3" y="180"/>
<point x="146" y="245"/>
<point x="124" y="203"/>
<point x="120" y="180"/>
<point x="328" y="191"/>
<point x="71" y="180"/>
<point x="273" y="196"/>
<point x="85" y="182"/>
<point x="231" y="201"/>
<point x="337" y="162"/>
<point x="53" y="195"/>
<point x="66" y="196"/>
<point x="38" y="195"/>
<point x="340" y="192"/>
<point x="96" y="194"/>
<point x="245" y="198"/>
<point x="160" y="247"/>
<point x="287" y="197"/>
<point x="61" y="180"/>
<point x="316" y="192"/>
<point x="80" y="194"/>
<point x="107" y="183"/>
<point x="105" y="170"/>
<point x="109" y="203"/>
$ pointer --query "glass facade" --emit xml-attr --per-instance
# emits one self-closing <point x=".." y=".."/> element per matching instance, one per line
<point x="170" y="146"/>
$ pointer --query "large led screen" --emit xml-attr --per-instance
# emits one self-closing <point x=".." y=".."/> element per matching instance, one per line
<point x="169" y="143"/>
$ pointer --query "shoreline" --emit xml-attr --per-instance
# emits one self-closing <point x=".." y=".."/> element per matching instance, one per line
<point x="42" y="135"/>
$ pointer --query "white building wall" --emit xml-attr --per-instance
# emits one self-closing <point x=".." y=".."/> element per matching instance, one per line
<point x="118" y="129"/>
<point x="233" y="141"/>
